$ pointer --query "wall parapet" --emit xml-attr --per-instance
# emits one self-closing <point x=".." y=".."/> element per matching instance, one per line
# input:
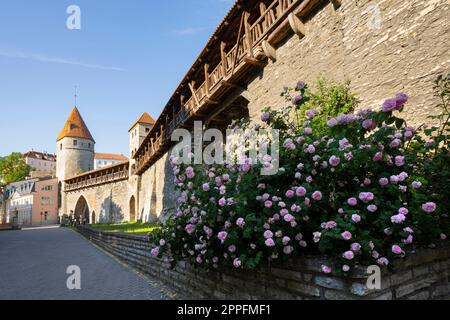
<point x="423" y="275"/>
<point x="109" y="174"/>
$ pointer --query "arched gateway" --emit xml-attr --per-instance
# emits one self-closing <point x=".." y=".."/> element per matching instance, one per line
<point x="81" y="212"/>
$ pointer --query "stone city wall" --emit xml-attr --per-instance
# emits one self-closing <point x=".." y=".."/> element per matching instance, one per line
<point x="423" y="275"/>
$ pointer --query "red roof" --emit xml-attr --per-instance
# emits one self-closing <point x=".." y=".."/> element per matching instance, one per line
<point x="75" y="127"/>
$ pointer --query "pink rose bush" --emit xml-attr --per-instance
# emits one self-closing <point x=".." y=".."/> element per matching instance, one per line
<point x="353" y="191"/>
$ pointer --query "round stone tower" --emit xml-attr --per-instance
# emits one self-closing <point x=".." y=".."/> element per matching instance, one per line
<point x="75" y="152"/>
<point x="75" y="148"/>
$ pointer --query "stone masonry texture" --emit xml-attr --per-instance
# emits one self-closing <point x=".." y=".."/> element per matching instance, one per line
<point x="404" y="51"/>
<point x="423" y="275"/>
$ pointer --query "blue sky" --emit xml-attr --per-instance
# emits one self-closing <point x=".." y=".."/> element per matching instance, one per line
<point x="128" y="58"/>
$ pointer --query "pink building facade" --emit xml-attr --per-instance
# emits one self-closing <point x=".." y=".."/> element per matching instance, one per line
<point x="45" y="202"/>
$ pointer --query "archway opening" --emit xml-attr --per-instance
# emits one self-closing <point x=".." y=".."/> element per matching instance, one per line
<point x="133" y="209"/>
<point x="81" y="213"/>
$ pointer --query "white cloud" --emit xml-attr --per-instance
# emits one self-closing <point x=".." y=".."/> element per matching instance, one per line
<point x="42" y="58"/>
<point x="189" y="31"/>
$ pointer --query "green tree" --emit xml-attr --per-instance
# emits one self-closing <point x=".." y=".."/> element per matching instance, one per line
<point x="13" y="168"/>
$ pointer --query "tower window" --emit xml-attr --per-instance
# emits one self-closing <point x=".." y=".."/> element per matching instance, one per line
<point x="75" y="142"/>
<point x="147" y="130"/>
<point x="60" y="146"/>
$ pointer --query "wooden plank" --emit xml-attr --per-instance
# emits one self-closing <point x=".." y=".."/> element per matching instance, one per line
<point x="248" y="35"/>
<point x="194" y="94"/>
<point x="206" y="68"/>
<point x="224" y="58"/>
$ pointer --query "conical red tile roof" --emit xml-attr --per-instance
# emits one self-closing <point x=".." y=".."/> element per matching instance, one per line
<point x="75" y="127"/>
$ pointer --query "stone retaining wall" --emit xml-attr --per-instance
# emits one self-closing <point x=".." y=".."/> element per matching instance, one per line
<point x="424" y="275"/>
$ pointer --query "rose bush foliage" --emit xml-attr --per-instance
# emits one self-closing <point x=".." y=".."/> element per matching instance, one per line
<point x="358" y="192"/>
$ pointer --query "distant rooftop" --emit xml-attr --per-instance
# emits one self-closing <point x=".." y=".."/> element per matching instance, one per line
<point x="40" y="156"/>
<point x="110" y="156"/>
<point x="144" y="118"/>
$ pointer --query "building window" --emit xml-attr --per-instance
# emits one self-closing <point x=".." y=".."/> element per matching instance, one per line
<point x="75" y="142"/>
<point x="147" y="130"/>
<point x="46" y="216"/>
<point x="60" y="146"/>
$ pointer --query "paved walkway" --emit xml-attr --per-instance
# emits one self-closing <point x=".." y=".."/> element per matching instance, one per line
<point x="33" y="265"/>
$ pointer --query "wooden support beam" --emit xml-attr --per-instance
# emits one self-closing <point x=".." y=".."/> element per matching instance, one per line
<point x="263" y="9"/>
<point x="269" y="50"/>
<point x="206" y="68"/>
<point x="255" y="62"/>
<point x="194" y="94"/>
<point x="296" y="25"/>
<point x="336" y="4"/>
<point x="248" y="35"/>
<point x="223" y="56"/>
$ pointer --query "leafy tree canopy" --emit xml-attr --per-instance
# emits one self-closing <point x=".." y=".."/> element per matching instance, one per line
<point x="13" y="168"/>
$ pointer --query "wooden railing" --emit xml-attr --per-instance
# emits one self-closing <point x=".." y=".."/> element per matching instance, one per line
<point x="249" y="40"/>
<point x="105" y="175"/>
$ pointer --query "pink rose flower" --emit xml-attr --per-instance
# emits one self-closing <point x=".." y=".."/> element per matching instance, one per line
<point x="222" y="236"/>
<point x="366" y="197"/>
<point x="399" y="161"/>
<point x="289" y="218"/>
<point x="268" y="234"/>
<point x="408" y="240"/>
<point x="346" y="235"/>
<point x="349" y="255"/>
<point x="398" y="219"/>
<point x="383" y="182"/>
<point x="290" y="194"/>
<point x="237" y="263"/>
<point x="372" y="208"/>
<point x="301" y="192"/>
<point x="352" y="202"/>
<point x="268" y="204"/>
<point x="326" y="269"/>
<point x="356" y="218"/>
<point x="356" y="247"/>
<point x="397" y="249"/>
<point x="429" y="207"/>
<point x="270" y="243"/>
<point x="317" y="196"/>
<point x="288" y="250"/>
<point x="155" y="252"/>
<point x="417" y="184"/>
<point x="190" y="229"/>
<point x="383" y="261"/>
<point x="286" y="240"/>
<point x="240" y="222"/>
<point x="222" y="202"/>
<point x="378" y="156"/>
<point x="334" y="161"/>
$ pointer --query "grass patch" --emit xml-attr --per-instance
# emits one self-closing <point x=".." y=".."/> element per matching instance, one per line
<point x="136" y="227"/>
